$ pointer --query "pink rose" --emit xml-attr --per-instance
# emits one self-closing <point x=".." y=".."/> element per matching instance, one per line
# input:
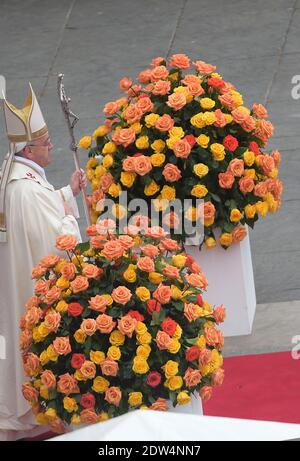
<point x="113" y="395"/>
<point x="171" y="172"/>
<point x="109" y="367"/>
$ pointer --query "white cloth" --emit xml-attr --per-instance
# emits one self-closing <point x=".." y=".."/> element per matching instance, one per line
<point x="148" y="425"/>
<point x="35" y="217"/>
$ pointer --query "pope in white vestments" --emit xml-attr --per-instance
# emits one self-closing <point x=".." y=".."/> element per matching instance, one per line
<point x="32" y="215"/>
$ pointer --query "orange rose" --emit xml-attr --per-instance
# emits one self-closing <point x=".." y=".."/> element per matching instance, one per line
<point x="105" y="323"/>
<point x="240" y="114"/>
<point x="113" y="249"/>
<point x="221" y="119"/>
<point x="218" y="377"/>
<point x="227" y="101"/>
<point x="127" y="325"/>
<point x="205" y="393"/>
<point x="163" y="340"/>
<point x="88" y="369"/>
<point x="52" y="321"/>
<point x="211" y="336"/>
<point x="161" y="87"/>
<point x="162" y="294"/>
<point x="264" y="130"/>
<point x="121" y="295"/>
<point x="31" y="364"/>
<point x="259" y="111"/>
<point x="145" y="104"/>
<point x="171" y="272"/>
<point x="171" y="172"/>
<point x="91" y="272"/>
<point x="89" y="326"/>
<point x="33" y="301"/>
<point x="191" y="311"/>
<point x="158" y="73"/>
<point x="113" y="396"/>
<point x="79" y="284"/>
<point x="50" y="261"/>
<point x="219" y="314"/>
<point x="68" y="271"/>
<point x="176" y="101"/>
<point x="106" y="182"/>
<point x="128" y="164"/>
<point x="25" y="340"/>
<point x="142" y="165"/>
<point x="156" y="232"/>
<point x="48" y="379"/>
<point x="248" y="124"/>
<point x="204" y="68"/>
<point x="38" y="272"/>
<point x="192" y="377"/>
<point x="133" y="113"/>
<point x="150" y="250"/>
<point x="125" y="84"/>
<point x="145" y="76"/>
<point x="246" y="185"/>
<point x="30" y="393"/>
<point x="164" y="123"/>
<point x="160" y="405"/>
<point x="125" y="136"/>
<point x="88" y="416"/>
<point x="266" y="163"/>
<point x="98" y="303"/>
<point x="67" y="384"/>
<point x="239" y="233"/>
<point x="109" y="367"/>
<point x="276" y="157"/>
<point x="126" y="241"/>
<point x="52" y="295"/>
<point x="195" y="89"/>
<point x="236" y="167"/>
<point x="146" y="264"/>
<point x="111" y="108"/>
<point x="66" y="242"/>
<point x="32" y="316"/>
<point x="226" y="180"/>
<point x="180" y="60"/>
<point x="41" y="287"/>
<point x="197" y="280"/>
<point x="61" y="345"/>
<point x="170" y="244"/>
<point x="182" y="148"/>
<point x="261" y="189"/>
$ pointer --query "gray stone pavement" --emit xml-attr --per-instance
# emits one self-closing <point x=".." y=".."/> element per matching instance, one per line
<point x="254" y="43"/>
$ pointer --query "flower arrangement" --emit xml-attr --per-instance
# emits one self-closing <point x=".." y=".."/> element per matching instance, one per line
<point x="182" y="123"/>
<point x="118" y="324"/>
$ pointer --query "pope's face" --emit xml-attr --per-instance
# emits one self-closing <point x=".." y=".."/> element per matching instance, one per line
<point x="39" y="151"/>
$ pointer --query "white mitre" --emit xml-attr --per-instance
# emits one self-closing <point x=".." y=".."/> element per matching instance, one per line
<point x="22" y="125"/>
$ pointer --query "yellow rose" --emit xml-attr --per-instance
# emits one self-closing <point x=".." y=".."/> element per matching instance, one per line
<point x="70" y="404"/>
<point x="137" y="127"/>
<point x="44" y="393"/>
<point x="42" y="419"/>
<point x="191" y="214"/>
<point x="171" y="141"/>
<point x="203" y="141"/>
<point x="119" y="211"/>
<point x="178" y="332"/>
<point x="80" y="336"/>
<point x="58" y="267"/>
<point x="50" y="413"/>
<point x="116" y="338"/>
<point x="140" y="365"/>
<point x="262" y="208"/>
<point x="37" y="383"/>
<point x="250" y="211"/>
<point x="228" y="118"/>
<point x="170" y="368"/>
<point x="114" y="353"/>
<point x="204" y="370"/>
<point x="216" y="75"/>
<point x="143" y="293"/>
<point x="100" y="171"/>
<point x="143" y="350"/>
<point x="274" y="173"/>
<point x="100" y="384"/>
<point x="85" y="142"/>
<point x="52" y="355"/>
<point x="157" y="159"/>
<point x="250" y="173"/>
<point x="151" y="189"/>
<point x="179" y="261"/>
<point x="199" y="191"/>
<point x="90" y="174"/>
<point x="226" y="239"/>
<point x="62" y="283"/>
<point x="141" y="328"/>
<point x="183" y="398"/>
<point x="109" y="148"/>
<point x="235" y="215"/>
<point x="168" y="193"/>
<point x="142" y="142"/>
<point x="160" y="204"/>
<point x="144" y="338"/>
<point x="209" y="118"/>
<point x="44" y="358"/>
<point x="218" y="151"/>
<point x="237" y="97"/>
<point x="128" y="178"/>
<point x="75" y="420"/>
<point x="101" y="131"/>
<point x="151" y="119"/>
<point x="158" y="145"/>
<point x="198" y="120"/>
<point x="201" y="170"/>
<point x="108" y="298"/>
<point x="174" y="346"/>
<point x="176" y="132"/>
<point x="175" y="293"/>
<point x="97" y="357"/>
<point x="108" y="161"/>
<point x="43" y="332"/>
<point x="61" y="306"/>
<point x="209" y="222"/>
<point x="135" y="398"/>
<point x="79" y="376"/>
<point x="210" y="242"/>
<point x="174" y="383"/>
<point x="249" y="157"/>
<point x="156" y="278"/>
<point x="207" y="103"/>
<point x="130" y="275"/>
<point x="201" y="342"/>
<point x="92" y="163"/>
<point x="103" y="416"/>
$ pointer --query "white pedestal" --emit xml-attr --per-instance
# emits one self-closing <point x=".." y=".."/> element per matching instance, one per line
<point x="230" y="282"/>
<point x="192" y="408"/>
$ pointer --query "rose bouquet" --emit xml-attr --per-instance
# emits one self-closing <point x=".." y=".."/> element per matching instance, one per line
<point x="183" y="132"/>
<point x="118" y="324"/>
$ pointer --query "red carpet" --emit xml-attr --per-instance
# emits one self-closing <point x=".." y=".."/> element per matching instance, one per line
<point x="263" y="387"/>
